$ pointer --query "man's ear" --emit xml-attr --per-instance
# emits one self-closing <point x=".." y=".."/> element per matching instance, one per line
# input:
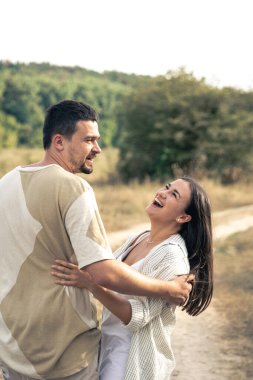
<point x="184" y="218"/>
<point x="57" y="142"/>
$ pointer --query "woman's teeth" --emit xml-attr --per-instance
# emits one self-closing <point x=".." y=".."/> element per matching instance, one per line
<point x="157" y="203"/>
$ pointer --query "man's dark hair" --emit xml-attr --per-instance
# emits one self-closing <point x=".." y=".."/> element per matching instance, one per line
<point x="62" y="118"/>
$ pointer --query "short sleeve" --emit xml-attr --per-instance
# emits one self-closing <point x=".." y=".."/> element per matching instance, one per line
<point x="86" y="230"/>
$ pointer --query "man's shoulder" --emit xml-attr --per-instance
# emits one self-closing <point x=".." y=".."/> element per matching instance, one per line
<point x="57" y="175"/>
<point x="53" y="181"/>
<point x="10" y="174"/>
<point x="66" y="186"/>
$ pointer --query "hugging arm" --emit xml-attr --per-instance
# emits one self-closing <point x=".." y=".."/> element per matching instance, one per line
<point x="121" y="278"/>
<point x="176" y="291"/>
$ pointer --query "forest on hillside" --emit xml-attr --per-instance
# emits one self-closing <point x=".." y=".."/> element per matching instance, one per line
<point x="162" y="125"/>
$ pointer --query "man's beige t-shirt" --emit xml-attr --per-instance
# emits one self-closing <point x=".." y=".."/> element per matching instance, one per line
<point x="47" y="213"/>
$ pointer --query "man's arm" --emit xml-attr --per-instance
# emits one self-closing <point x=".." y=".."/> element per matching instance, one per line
<point x="121" y="278"/>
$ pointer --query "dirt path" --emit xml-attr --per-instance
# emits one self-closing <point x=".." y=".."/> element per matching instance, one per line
<point x="199" y="347"/>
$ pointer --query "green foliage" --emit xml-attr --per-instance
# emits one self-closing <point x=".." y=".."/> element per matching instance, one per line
<point x="9" y="130"/>
<point x="20" y="100"/>
<point x="26" y="91"/>
<point x="178" y="124"/>
<point x="228" y="149"/>
<point x="164" y="126"/>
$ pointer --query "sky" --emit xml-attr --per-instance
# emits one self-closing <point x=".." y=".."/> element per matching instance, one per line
<point x="209" y="38"/>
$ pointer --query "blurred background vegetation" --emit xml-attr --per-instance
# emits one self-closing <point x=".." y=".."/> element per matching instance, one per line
<point x="162" y="126"/>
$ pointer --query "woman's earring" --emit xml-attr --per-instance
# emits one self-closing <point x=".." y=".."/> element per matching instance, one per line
<point x="178" y="220"/>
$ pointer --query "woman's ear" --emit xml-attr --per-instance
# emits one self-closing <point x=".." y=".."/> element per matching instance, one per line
<point x="184" y="218"/>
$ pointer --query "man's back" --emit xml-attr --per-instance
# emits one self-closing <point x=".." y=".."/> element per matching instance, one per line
<point x="46" y="213"/>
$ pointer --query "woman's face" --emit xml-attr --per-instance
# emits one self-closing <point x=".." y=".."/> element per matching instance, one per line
<point x="170" y="202"/>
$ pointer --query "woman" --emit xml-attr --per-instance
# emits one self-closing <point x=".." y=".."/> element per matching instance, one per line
<point x="179" y="242"/>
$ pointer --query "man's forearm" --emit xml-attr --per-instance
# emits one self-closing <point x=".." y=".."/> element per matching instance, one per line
<point x="120" y="277"/>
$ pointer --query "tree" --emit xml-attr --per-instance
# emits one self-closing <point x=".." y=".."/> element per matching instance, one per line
<point x="180" y="125"/>
<point x="20" y="100"/>
<point x="161" y="129"/>
<point x="9" y="131"/>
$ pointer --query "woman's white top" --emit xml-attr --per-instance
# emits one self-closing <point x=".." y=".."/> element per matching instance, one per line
<point x="115" y="342"/>
<point x="149" y="356"/>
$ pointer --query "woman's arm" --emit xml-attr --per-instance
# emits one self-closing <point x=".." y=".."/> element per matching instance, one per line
<point x="138" y="311"/>
<point x="125" y="280"/>
<point x="114" y="302"/>
<point x="135" y="313"/>
<point x="117" y="304"/>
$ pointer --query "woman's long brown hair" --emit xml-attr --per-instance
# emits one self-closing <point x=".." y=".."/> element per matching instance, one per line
<point x="199" y="243"/>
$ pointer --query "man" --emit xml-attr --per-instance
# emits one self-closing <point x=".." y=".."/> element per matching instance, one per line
<point x="47" y="213"/>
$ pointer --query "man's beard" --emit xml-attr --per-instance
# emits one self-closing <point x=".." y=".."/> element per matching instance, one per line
<point x="82" y="168"/>
<point x="85" y="170"/>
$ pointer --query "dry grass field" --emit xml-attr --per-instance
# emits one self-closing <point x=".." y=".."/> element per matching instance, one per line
<point x="234" y="268"/>
<point x="233" y="295"/>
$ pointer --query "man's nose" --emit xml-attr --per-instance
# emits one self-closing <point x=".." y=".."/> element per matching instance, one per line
<point x="96" y="148"/>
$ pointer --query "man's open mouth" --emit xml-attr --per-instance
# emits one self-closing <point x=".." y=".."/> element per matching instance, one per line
<point x="90" y="158"/>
